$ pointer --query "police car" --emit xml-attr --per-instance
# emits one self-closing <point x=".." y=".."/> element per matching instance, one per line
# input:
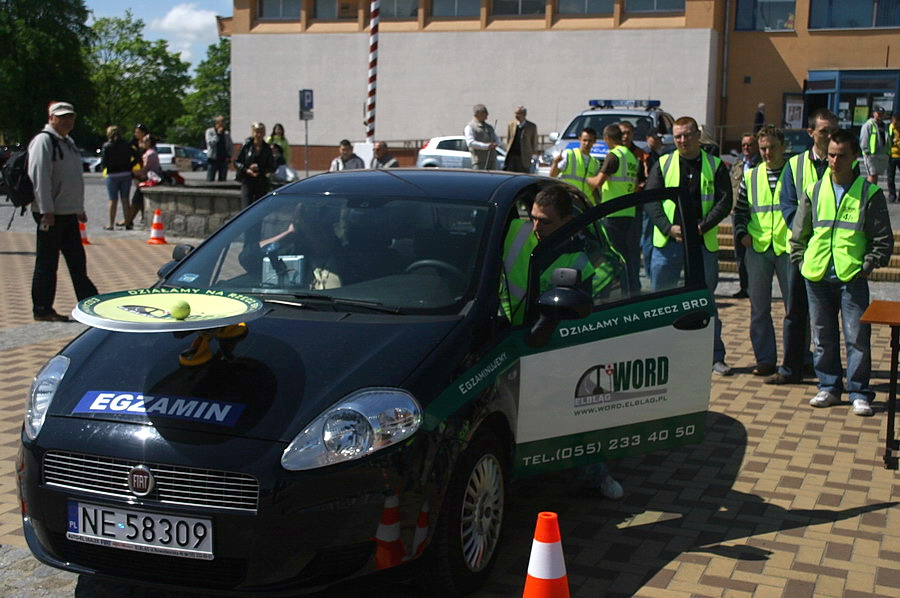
<point x="373" y="413"/>
<point x="643" y="114"/>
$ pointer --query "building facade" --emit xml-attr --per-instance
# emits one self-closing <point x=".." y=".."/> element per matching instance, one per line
<point x="715" y="60"/>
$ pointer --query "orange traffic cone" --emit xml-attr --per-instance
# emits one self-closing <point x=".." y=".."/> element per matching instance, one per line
<point x="157" y="237"/>
<point x="389" y="551"/>
<point x="546" y="567"/>
<point x="83" y="230"/>
<point x="418" y="544"/>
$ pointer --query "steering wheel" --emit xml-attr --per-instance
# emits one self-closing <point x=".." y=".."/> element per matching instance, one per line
<point x="441" y="266"/>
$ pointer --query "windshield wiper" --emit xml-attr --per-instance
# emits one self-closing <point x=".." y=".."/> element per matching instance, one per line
<point x="371" y="305"/>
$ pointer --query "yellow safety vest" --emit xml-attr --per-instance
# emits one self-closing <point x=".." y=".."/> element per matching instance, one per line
<point x="766" y="226"/>
<point x="622" y="182"/>
<point x="518" y="245"/>
<point x="803" y="171"/>
<point x="838" y="230"/>
<point x="670" y="166"/>
<point x="577" y="171"/>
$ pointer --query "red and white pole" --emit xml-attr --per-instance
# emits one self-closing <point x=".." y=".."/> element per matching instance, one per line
<point x="375" y="9"/>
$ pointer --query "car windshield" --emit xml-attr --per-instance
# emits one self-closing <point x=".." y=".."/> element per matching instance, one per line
<point x="401" y="255"/>
<point x="598" y="122"/>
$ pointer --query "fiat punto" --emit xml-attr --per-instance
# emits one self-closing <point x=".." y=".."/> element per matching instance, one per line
<point x="373" y="413"/>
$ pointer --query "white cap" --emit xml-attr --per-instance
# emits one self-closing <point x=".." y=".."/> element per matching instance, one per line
<point x="61" y="108"/>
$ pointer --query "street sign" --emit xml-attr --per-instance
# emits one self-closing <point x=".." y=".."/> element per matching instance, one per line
<point x="306" y="115"/>
<point x="306" y="100"/>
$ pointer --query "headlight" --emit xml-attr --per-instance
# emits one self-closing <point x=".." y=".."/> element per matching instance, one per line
<point x="356" y="426"/>
<point x="545" y="159"/>
<point x="43" y="389"/>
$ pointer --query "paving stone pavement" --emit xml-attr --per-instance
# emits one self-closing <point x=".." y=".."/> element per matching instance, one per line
<point x="779" y="500"/>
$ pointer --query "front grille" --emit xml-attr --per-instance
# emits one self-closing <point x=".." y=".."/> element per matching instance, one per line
<point x="187" y="486"/>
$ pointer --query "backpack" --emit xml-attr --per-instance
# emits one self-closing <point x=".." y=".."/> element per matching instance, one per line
<point x="19" y="188"/>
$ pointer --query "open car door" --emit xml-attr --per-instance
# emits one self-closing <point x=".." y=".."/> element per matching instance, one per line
<point x="630" y="377"/>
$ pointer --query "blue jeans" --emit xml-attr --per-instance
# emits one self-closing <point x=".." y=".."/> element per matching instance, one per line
<point x="850" y="299"/>
<point x="666" y="267"/>
<point x="647" y="243"/>
<point x="760" y="268"/>
<point x="796" y="326"/>
<point x="118" y="186"/>
<point x="623" y="234"/>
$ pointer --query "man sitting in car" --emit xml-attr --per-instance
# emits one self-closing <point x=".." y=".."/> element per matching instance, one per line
<point x="552" y="208"/>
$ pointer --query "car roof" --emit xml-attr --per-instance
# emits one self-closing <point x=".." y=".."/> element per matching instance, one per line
<point x="418" y="183"/>
<point x="626" y="111"/>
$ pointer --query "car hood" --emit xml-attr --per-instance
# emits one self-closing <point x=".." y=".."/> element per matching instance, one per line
<point x="280" y="376"/>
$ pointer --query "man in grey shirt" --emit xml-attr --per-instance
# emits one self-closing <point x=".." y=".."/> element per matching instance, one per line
<point x="481" y="140"/>
<point x="54" y="166"/>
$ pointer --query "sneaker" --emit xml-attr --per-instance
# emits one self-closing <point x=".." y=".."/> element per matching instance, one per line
<point x="862" y="407"/>
<point x="741" y="294"/>
<point x="51" y="317"/>
<point x="780" y="378"/>
<point x="824" y="399"/>
<point x="611" y="489"/>
<point x="722" y="369"/>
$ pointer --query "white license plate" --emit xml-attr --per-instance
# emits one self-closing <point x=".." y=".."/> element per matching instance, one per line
<point x="173" y="535"/>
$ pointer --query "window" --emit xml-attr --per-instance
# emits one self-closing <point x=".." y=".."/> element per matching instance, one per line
<point x="517" y="7"/>
<point x="455" y="8"/>
<point x="841" y="14"/>
<point x="399" y="9"/>
<point x="332" y="10"/>
<point x="279" y="9"/>
<point x="764" y="15"/>
<point x="654" y="5"/>
<point x="585" y="7"/>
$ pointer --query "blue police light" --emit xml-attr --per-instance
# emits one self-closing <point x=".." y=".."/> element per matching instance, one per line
<point x="648" y="104"/>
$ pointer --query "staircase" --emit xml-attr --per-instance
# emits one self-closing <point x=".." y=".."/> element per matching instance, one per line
<point x="890" y="273"/>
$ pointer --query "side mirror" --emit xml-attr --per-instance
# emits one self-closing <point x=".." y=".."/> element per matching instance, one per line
<point x="178" y="253"/>
<point x="563" y="302"/>
<point x="554" y="136"/>
<point x="668" y="139"/>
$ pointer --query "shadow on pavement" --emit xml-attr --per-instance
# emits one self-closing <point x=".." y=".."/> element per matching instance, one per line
<point x="680" y="501"/>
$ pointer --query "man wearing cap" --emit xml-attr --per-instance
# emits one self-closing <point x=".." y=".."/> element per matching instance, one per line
<point x="873" y="140"/>
<point x="481" y="139"/>
<point x="54" y="166"/>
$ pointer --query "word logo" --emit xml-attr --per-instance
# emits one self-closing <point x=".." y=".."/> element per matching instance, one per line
<point x="205" y="411"/>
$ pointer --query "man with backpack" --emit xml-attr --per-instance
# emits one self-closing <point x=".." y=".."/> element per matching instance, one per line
<point x="54" y="167"/>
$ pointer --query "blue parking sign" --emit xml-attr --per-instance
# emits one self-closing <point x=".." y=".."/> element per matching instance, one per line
<point x="306" y="99"/>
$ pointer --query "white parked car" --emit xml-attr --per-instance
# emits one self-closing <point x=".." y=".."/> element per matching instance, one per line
<point x="173" y="157"/>
<point x="450" y="152"/>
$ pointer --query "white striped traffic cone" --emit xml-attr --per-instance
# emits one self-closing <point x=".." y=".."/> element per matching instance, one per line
<point x="547" y="567"/>
<point x="157" y="237"/>
<point x="83" y="230"/>
<point x="389" y="551"/>
<point x="418" y="543"/>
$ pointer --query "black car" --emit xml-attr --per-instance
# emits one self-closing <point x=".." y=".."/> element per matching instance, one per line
<point x="371" y="417"/>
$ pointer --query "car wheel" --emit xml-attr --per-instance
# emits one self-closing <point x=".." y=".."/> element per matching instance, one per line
<point x="464" y="547"/>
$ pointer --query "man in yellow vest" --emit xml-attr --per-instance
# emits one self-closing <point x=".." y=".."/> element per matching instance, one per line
<point x="801" y="171"/>
<point x="760" y="228"/>
<point x="841" y="233"/>
<point x="576" y="165"/>
<point x="873" y="139"/>
<point x="894" y="165"/>
<point x="552" y="208"/>
<point x="706" y="179"/>
<point x="617" y="177"/>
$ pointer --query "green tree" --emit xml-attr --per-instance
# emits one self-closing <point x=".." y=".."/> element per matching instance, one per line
<point x="136" y="80"/>
<point x="211" y="95"/>
<point x="41" y="61"/>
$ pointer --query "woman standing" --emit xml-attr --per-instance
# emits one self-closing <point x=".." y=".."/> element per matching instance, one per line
<point x="150" y="170"/>
<point x="116" y="159"/>
<point x="277" y="138"/>
<point x="253" y="165"/>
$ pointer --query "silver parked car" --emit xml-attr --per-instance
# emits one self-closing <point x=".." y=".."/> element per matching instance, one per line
<point x="450" y="152"/>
